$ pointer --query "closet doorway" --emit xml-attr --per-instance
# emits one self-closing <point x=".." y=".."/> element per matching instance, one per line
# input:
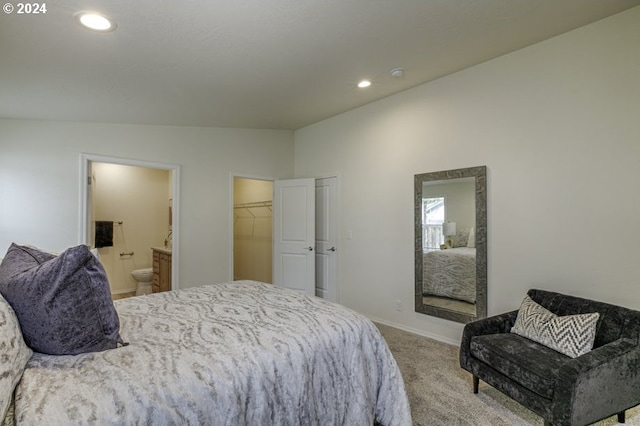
<point x="252" y="229"/>
<point x="252" y="232"/>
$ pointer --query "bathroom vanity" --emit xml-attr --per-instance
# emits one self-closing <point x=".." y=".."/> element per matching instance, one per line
<point x="161" y="269"/>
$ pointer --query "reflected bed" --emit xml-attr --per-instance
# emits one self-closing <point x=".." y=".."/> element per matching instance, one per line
<point x="450" y="273"/>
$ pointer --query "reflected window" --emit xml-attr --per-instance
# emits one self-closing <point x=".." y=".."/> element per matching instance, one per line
<point x="433" y="215"/>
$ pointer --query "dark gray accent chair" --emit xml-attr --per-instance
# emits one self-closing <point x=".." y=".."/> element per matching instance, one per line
<point x="561" y="389"/>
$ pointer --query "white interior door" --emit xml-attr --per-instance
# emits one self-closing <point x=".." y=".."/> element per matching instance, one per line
<point x="294" y="234"/>
<point x="326" y="238"/>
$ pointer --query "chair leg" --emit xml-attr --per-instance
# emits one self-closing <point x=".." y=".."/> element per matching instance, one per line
<point x="621" y="418"/>
<point x="476" y="382"/>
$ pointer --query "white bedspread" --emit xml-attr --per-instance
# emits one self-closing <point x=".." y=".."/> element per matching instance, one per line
<point x="239" y="353"/>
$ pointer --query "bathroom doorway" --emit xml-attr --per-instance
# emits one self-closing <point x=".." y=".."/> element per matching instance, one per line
<point x="252" y="229"/>
<point x="138" y="201"/>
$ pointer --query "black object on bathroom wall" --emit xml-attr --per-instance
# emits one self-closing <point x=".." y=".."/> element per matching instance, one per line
<point x="104" y="233"/>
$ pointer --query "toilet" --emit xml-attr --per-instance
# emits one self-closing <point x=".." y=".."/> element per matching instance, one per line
<point x="143" y="277"/>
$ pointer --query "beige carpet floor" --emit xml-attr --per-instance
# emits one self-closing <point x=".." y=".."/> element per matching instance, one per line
<point x="441" y="393"/>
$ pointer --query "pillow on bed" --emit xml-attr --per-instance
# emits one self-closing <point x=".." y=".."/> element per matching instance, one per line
<point x="14" y="354"/>
<point x="471" y="242"/>
<point x="63" y="303"/>
<point x="461" y="238"/>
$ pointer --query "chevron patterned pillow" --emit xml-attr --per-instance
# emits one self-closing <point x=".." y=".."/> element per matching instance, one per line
<point x="572" y="335"/>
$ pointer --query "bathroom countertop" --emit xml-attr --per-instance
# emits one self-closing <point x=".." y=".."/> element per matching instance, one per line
<point x="165" y="250"/>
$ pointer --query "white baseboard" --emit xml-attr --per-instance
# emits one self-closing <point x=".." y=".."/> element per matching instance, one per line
<point x="126" y="290"/>
<point x="415" y="331"/>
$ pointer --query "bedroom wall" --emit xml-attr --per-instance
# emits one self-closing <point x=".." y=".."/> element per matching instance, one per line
<point x="40" y="172"/>
<point x="557" y="126"/>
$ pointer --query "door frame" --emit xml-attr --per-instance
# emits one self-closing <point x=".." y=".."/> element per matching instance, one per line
<point x="336" y="175"/>
<point x="85" y="211"/>
<point x="232" y="176"/>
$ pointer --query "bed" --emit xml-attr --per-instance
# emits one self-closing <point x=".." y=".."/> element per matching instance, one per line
<point x="236" y="353"/>
<point x="450" y="273"/>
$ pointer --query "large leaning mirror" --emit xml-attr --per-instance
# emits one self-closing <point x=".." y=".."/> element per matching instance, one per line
<point x="451" y="243"/>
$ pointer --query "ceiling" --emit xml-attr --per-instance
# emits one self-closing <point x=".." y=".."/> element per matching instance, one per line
<point x="270" y="64"/>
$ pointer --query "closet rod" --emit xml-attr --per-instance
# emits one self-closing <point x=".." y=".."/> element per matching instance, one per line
<point x="254" y="204"/>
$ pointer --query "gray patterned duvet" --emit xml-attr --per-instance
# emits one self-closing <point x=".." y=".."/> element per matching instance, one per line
<point x="239" y="353"/>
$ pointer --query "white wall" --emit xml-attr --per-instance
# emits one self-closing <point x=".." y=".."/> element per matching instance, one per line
<point x="40" y="189"/>
<point x="557" y="125"/>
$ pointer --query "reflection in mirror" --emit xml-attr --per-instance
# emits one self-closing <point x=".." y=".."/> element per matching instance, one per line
<point x="451" y="244"/>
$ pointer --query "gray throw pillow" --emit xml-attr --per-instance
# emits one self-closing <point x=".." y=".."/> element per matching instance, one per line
<point x="572" y="335"/>
<point x="63" y="303"/>
<point x="14" y="354"/>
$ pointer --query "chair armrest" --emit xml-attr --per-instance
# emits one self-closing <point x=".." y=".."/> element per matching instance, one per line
<point x="608" y="374"/>
<point x="597" y="357"/>
<point x="492" y="325"/>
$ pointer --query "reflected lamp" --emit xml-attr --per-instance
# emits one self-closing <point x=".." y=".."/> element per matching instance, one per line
<point x="449" y="231"/>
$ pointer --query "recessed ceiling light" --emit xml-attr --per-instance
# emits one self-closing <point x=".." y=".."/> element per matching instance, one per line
<point x="364" y="83"/>
<point x="95" y="21"/>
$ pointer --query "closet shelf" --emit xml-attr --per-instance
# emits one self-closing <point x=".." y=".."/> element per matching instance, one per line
<point x="253" y="205"/>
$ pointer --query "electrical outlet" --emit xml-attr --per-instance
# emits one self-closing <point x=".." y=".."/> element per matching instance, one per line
<point x="398" y="305"/>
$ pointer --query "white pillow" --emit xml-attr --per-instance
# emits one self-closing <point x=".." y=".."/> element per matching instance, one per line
<point x="471" y="242"/>
<point x="572" y="335"/>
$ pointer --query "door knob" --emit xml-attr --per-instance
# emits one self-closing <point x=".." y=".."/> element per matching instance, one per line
<point x="332" y="249"/>
<point x="310" y="248"/>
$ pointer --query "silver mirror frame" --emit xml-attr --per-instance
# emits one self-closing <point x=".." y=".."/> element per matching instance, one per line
<point x="480" y="175"/>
